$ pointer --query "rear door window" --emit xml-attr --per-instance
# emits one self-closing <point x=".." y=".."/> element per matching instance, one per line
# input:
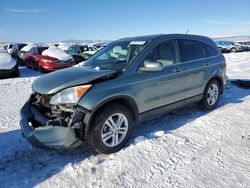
<point x="190" y="50"/>
<point x="209" y="50"/>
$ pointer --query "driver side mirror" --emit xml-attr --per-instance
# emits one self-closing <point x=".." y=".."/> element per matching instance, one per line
<point x="152" y="67"/>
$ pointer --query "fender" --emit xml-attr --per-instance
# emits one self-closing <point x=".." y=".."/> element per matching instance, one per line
<point x="89" y="114"/>
<point x="216" y="75"/>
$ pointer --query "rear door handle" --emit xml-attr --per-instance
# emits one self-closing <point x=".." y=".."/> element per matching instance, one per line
<point x="206" y="64"/>
<point x="176" y="69"/>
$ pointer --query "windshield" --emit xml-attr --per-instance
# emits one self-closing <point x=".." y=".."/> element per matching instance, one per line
<point x="117" y="55"/>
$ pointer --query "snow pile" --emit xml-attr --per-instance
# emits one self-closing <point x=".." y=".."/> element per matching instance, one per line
<point x="57" y="53"/>
<point x="238" y="65"/>
<point x="64" y="46"/>
<point x="28" y="47"/>
<point x="6" y="61"/>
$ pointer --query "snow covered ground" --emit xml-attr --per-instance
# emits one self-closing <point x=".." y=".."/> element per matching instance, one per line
<point x="188" y="148"/>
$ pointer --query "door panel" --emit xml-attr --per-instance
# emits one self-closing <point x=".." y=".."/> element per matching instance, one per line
<point x="195" y="74"/>
<point x="160" y="88"/>
<point x="193" y="63"/>
<point x="157" y="89"/>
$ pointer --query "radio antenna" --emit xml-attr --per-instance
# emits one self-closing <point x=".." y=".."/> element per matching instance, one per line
<point x="187" y="31"/>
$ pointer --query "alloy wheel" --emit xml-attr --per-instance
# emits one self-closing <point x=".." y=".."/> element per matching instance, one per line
<point x="114" y="130"/>
<point x="213" y="93"/>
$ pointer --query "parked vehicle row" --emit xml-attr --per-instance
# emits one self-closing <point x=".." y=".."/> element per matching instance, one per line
<point x="45" y="59"/>
<point x="246" y="45"/>
<point x="230" y="46"/>
<point x="129" y="81"/>
<point x="31" y="55"/>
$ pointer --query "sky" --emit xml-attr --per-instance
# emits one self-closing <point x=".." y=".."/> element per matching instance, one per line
<point x="50" y="21"/>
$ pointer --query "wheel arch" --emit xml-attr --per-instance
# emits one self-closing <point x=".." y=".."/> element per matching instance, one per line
<point x="219" y="79"/>
<point x="127" y="101"/>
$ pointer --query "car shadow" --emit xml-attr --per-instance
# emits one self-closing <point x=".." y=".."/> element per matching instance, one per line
<point x="27" y="166"/>
<point x="26" y="72"/>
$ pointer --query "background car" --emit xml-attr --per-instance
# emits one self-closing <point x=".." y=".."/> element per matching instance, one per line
<point x="15" y="52"/>
<point x="81" y="52"/>
<point x="228" y="46"/>
<point x="33" y="56"/>
<point x="237" y="47"/>
<point x="8" y="47"/>
<point x="246" y="45"/>
<point x="24" y="50"/>
<point x="49" y="61"/>
<point x="8" y="66"/>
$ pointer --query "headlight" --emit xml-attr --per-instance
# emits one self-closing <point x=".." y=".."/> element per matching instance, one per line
<point x="47" y="60"/>
<point x="70" y="95"/>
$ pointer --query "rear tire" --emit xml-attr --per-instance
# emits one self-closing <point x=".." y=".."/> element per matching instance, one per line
<point x="106" y="134"/>
<point x="15" y="72"/>
<point x="234" y="50"/>
<point x="28" y="63"/>
<point x="211" y="95"/>
<point x="41" y="69"/>
<point x="35" y="65"/>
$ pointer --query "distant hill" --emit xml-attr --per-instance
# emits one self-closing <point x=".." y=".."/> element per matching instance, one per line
<point x="84" y="41"/>
<point x="233" y="38"/>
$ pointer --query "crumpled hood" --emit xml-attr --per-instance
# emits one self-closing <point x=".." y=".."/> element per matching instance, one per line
<point x="53" y="82"/>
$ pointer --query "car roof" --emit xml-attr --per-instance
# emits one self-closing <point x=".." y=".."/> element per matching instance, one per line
<point x="142" y="38"/>
<point x="153" y="37"/>
<point x="172" y="36"/>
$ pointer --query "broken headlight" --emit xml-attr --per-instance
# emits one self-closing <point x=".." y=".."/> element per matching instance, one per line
<point x="70" y="95"/>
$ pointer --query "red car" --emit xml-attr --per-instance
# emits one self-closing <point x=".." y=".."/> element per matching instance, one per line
<point x="35" y="60"/>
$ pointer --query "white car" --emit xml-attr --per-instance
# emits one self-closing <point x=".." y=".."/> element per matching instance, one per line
<point x="25" y="49"/>
<point x="91" y="51"/>
<point x="81" y="52"/>
<point x="8" y="66"/>
<point x="8" y="47"/>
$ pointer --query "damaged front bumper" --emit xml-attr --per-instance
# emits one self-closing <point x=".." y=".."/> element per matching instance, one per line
<point x="47" y="135"/>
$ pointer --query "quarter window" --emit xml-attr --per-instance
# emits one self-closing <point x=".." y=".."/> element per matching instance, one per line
<point x="164" y="53"/>
<point x="190" y="50"/>
<point x="209" y="50"/>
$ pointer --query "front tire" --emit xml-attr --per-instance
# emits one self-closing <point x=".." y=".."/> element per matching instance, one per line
<point x="234" y="50"/>
<point x="110" y="129"/>
<point x="211" y="95"/>
<point x="15" y="72"/>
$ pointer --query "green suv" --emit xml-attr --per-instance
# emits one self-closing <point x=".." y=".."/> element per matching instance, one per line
<point x="129" y="81"/>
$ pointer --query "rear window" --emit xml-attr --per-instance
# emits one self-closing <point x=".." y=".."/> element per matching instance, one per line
<point x="40" y="50"/>
<point x="84" y="48"/>
<point x="209" y="50"/>
<point x="21" y="46"/>
<point x="190" y="50"/>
